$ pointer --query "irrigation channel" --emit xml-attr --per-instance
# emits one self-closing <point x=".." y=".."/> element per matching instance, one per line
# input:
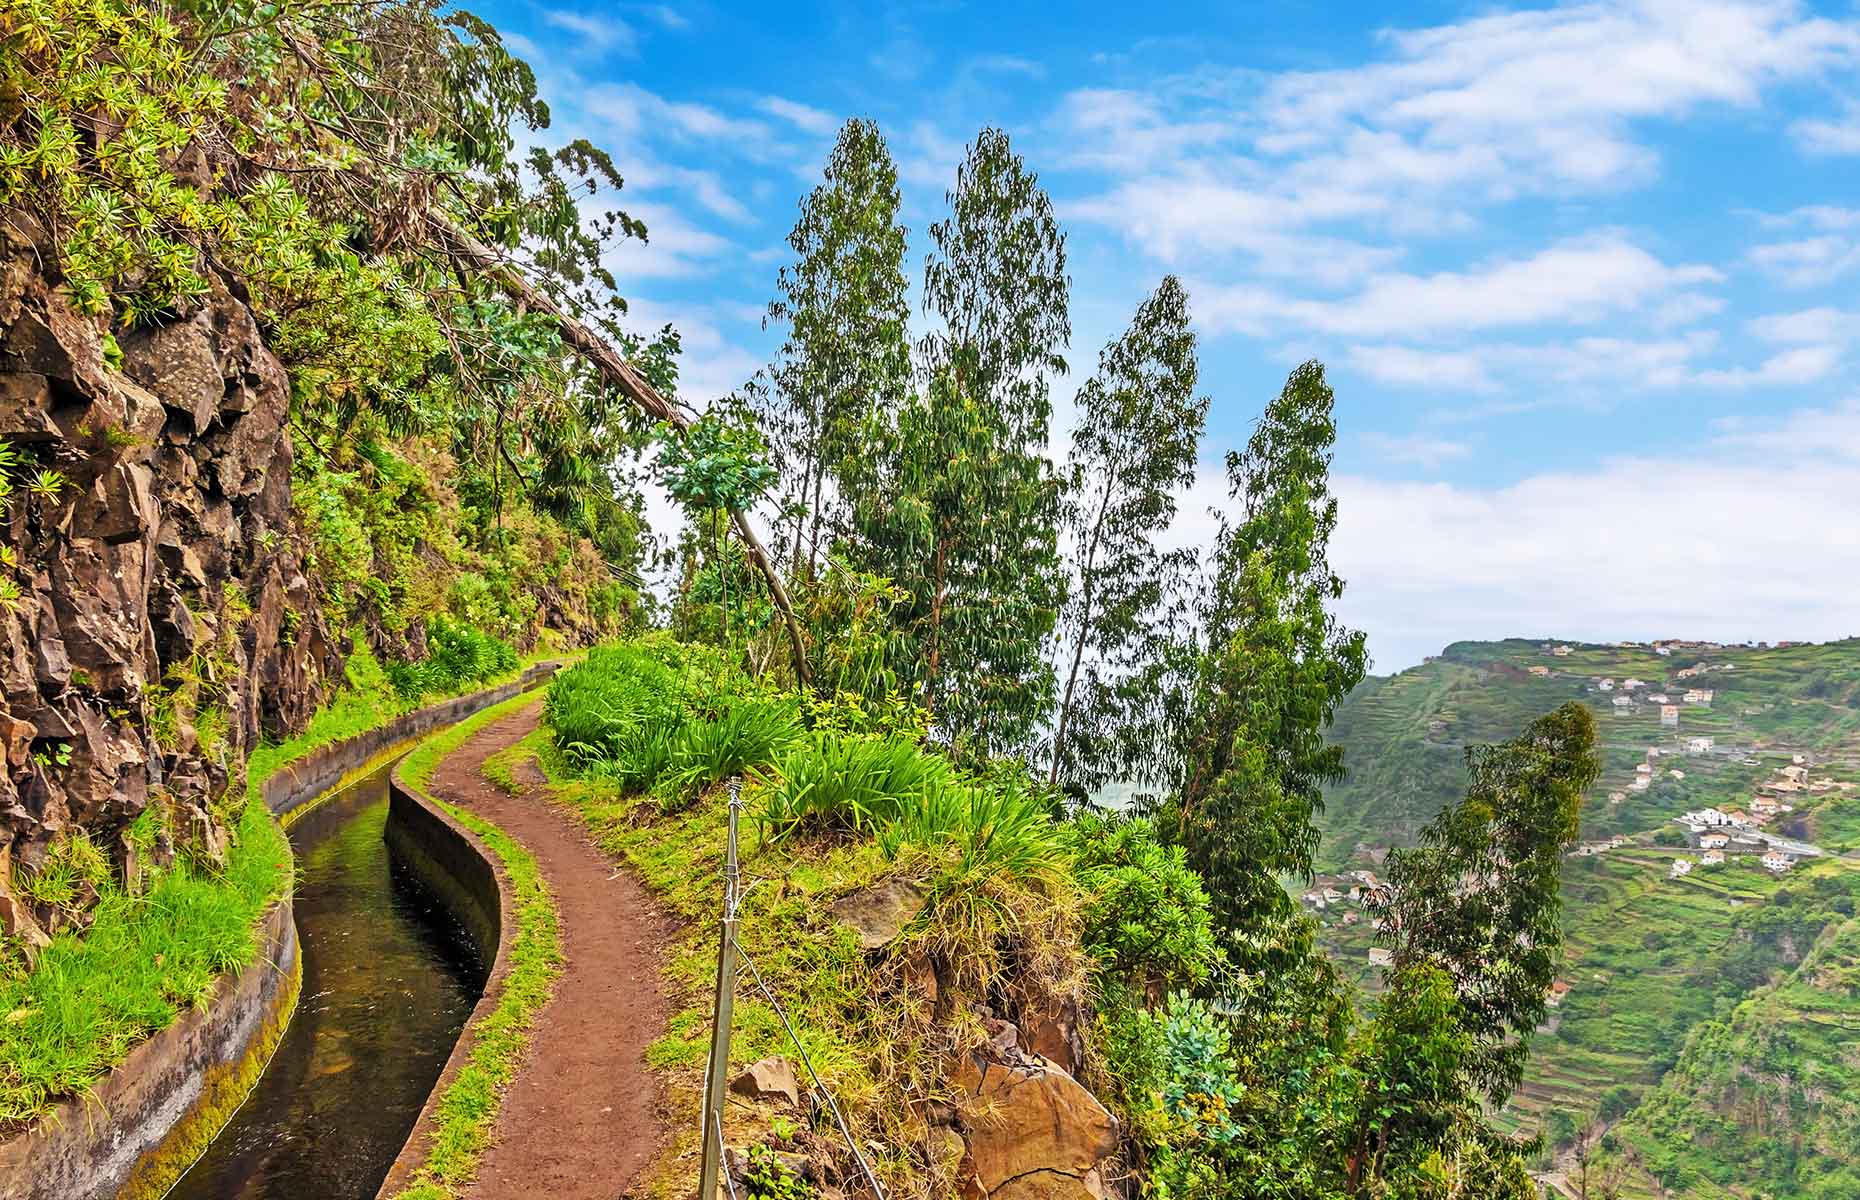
<point x="388" y="984"/>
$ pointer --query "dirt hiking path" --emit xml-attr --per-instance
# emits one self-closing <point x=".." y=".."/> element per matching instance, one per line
<point x="581" y="1121"/>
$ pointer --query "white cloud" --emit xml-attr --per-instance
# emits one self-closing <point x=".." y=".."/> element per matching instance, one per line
<point x="1793" y="367"/>
<point x="1838" y="137"/>
<point x="1416" y="449"/>
<point x="1713" y="543"/>
<point x="1505" y="81"/>
<point x="1579" y="281"/>
<point x="632" y="111"/>
<point x="598" y="32"/>
<point x="1444" y="121"/>
<point x="1406" y="366"/>
<point x="1810" y="326"/>
<point x="674" y="248"/>
<point x="667" y="16"/>
<point x="1809" y="262"/>
<point x="803" y="117"/>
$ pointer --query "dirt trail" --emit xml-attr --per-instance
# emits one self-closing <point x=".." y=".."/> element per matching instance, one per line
<point x="582" y="1119"/>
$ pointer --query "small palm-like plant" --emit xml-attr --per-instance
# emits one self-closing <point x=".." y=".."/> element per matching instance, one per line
<point x="10" y="600"/>
<point x="9" y="556"/>
<point x="47" y="484"/>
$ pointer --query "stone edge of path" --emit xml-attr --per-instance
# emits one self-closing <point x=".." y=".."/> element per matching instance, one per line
<point x="146" y="1122"/>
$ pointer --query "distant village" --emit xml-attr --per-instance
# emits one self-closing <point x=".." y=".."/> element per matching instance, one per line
<point x="1714" y="835"/>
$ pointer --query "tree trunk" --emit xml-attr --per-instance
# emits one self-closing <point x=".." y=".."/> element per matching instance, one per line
<point x="1078" y="651"/>
<point x="936" y="620"/>
<point x="595" y="351"/>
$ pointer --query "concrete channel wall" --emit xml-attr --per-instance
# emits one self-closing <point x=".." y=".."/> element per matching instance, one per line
<point x="146" y="1122"/>
<point x="465" y="876"/>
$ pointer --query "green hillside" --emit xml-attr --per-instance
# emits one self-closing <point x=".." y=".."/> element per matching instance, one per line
<point x="1680" y="990"/>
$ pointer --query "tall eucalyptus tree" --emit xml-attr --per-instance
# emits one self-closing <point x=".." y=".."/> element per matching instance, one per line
<point x="1139" y="423"/>
<point x="963" y="514"/>
<point x="846" y="361"/>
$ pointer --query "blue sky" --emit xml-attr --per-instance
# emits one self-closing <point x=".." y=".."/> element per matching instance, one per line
<point x="1584" y="275"/>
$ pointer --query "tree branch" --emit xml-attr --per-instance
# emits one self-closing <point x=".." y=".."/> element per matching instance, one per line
<point x="595" y="350"/>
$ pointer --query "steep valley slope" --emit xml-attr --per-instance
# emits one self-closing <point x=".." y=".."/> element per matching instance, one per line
<point x="1705" y="1034"/>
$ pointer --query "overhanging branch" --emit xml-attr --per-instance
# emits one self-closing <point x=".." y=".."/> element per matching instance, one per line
<point x="597" y="353"/>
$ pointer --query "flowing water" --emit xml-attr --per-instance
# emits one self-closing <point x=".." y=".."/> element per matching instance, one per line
<point x="388" y="983"/>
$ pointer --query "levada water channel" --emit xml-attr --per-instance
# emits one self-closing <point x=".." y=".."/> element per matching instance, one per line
<point x="388" y="983"/>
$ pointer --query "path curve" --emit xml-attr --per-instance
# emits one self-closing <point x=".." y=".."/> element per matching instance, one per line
<point x="582" y="1119"/>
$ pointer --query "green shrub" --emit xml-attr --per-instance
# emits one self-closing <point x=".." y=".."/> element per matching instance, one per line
<point x="1146" y="916"/>
<point x="457" y="656"/>
<point x="995" y="826"/>
<point x="1175" y="1078"/>
<point x="614" y="703"/>
<point x="847" y="783"/>
<point x="750" y="733"/>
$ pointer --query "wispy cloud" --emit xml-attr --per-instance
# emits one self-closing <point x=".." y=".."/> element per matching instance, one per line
<point x="1416" y="449"/>
<point x="803" y="117"/>
<point x="599" y="32"/>
<point x="1577" y="281"/>
<point x="1840" y="136"/>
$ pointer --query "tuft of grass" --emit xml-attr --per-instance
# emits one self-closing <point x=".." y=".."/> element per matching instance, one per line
<point x="469" y="1107"/>
<point x="749" y="733"/>
<point x="848" y="783"/>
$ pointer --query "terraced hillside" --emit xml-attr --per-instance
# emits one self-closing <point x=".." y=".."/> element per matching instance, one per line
<point x="1676" y="987"/>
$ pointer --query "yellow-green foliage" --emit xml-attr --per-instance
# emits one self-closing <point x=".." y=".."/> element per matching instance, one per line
<point x="387" y="535"/>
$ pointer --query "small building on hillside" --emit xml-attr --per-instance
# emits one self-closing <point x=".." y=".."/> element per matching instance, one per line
<point x="1606" y="685"/>
<point x="1795" y="775"/>
<point x="1699" y="696"/>
<point x="1698" y="745"/>
<point x="1669" y="714"/>
<point x="1558" y="990"/>
<point x="1561" y="651"/>
<point x="1711" y="858"/>
<point x="1714" y="841"/>
<point x="1616" y="797"/>
<point x="1628" y="685"/>
<point x="1624" y="703"/>
<point x="1381" y="957"/>
<point x="1676" y="773"/>
<point x="1777" y="861"/>
<point x="1663" y="651"/>
<point x="1739" y="819"/>
<point x="1657" y="698"/>
<point x="1681" y="868"/>
<point x="1540" y="670"/>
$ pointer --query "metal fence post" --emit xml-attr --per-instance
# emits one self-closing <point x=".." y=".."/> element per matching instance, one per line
<point x="719" y="1066"/>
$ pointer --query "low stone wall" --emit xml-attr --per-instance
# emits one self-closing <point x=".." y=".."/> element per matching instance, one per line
<point x="148" y="1120"/>
<point x="466" y="877"/>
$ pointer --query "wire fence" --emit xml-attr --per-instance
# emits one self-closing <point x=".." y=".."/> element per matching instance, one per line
<point x="714" y="1170"/>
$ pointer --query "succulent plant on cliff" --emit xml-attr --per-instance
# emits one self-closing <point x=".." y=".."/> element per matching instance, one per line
<point x="46" y="485"/>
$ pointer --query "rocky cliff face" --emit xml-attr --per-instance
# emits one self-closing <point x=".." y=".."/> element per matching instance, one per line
<point x="163" y="618"/>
